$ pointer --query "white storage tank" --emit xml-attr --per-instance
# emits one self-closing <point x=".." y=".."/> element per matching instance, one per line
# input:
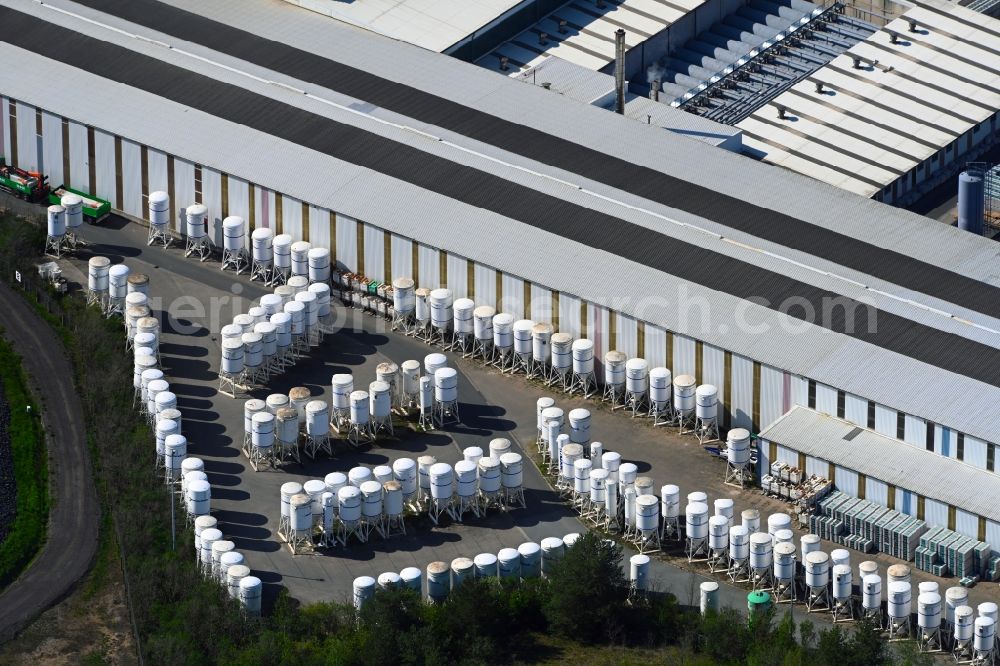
<point x="706" y="403"/>
<point x="462" y="569"/>
<point x="684" y="395"/>
<point x="441" y="301"/>
<point x="784" y="562"/>
<point x="871" y="592"/>
<point x="364" y="591"/>
<point x="531" y="559"/>
<point x="842" y="582"/>
<point x="696" y="520"/>
<point x="709" y="597"/>
<point x="638" y="572"/>
<point x="750" y="519"/>
<point x="962" y="627"/>
<point x="509" y="563"/>
<point x="438" y="581"/>
<point x="929" y="611"/>
<point x="898" y="601"/>
<point x="250" y="594"/>
<point x="412" y="578"/>
<point x="552" y="551"/>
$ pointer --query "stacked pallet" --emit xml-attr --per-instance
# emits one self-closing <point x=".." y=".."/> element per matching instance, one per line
<point x="943" y="552"/>
<point x="787" y="483"/>
<point x="866" y="526"/>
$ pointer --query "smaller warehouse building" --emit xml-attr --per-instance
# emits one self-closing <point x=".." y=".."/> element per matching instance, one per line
<point x="914" y="480"/>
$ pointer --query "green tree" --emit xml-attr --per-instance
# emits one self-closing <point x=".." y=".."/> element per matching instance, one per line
<point x="588" y="591"/>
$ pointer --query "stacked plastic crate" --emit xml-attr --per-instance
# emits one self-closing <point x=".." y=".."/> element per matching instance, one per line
<point x="867" y="526"/>
<point x="943" y="552"/>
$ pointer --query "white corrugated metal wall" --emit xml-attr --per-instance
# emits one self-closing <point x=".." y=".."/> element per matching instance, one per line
<point x="513" y="296"/>
<point x="885" y="421"/>
<point x="847" y="480"/>
<point x="184" y="192"/>
<point x="79" y="169"/>
<point x="347" y="242"/>
<point x="684" y="361"/>
<point x="877" y="491"/>
<point x="597" y="330"/>
<point x="402" y="256"/>
<point x="4" y="126"/>
<point x="935" y="512"/>
<point x="787" y="456"/>
<point x="625" y="335"/>
<point x="429" y="268"/>
<point x="105" y="166"/>
<point x="319" y="227"/>
<point x="52" y="153"/>
<point x="264" y="201"/>
<point x="914" y="431"/>
<point x="374" y="252"/>
<point x="800" y="391"/>
<point x="156" y="165"/>
<point x="906" y="502"/>
<point x="817" y="466"/>
<point x="238" y="204"/>
<point x="713" y="371"/>
<point x="993" y="534"/>
<point x="975" y="452"/>
<point x="772" y="397"/>
<point x="968" y="524"/>
<point x="741" y="404"/>
<point x="291" y="215"/>
<point x="486" y="285"/>
<point x="826" y="399"/>
<point x="131" y="179"/>
<point x="27" y="137"/>
<point x="569" y="314"/>
<point x="856" y="410"/>
<point x="458" y="276"/>
<point x="541" y="305"/>
<point x="211" y="195"/>
<point x="656" y="347"/>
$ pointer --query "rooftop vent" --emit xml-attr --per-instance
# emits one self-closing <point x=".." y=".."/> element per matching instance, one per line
<point x="562" y="26"/>
<point x="819" y="87"/>
<point x="781" y="112"/>
<point x="504" y="63"/>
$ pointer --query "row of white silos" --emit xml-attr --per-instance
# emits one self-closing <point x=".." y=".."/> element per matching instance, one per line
<point x="537" y="350"/>
<point x="272" y="258"/>
<point x="274" y="334"/>
<point x="527" y="561"/>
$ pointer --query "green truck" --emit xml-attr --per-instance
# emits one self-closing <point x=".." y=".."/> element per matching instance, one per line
<point x="94" y="209"/>
<point x="22" y="184"/>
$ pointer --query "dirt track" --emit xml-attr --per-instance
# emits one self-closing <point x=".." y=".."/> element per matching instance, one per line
<point x="73" y="512"/>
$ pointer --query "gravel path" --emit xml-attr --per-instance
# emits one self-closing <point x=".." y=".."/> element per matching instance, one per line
<point x="73" y="509"/>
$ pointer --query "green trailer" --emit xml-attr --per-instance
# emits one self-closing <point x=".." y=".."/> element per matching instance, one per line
<point x="22" y="184"/>
<point x="94" y="209"/>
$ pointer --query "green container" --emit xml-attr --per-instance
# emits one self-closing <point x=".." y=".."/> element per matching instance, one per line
<point x="758" y="602"/>
<point x="94" y="209"/>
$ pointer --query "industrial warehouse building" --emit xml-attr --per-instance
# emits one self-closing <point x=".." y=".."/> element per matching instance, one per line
<point x="644" y="241"/>
<point x="870" y="465"/>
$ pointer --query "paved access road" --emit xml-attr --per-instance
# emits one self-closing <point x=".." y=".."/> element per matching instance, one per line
<point x="73" y="510"/>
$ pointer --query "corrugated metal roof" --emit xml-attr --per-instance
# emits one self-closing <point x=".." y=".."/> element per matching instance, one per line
<point x="879" y="457"/>
<point x="450" y="80"/>
<point x="907" y="101"/>
<point x="429" y="24"/>
<point x="544" y="257"/>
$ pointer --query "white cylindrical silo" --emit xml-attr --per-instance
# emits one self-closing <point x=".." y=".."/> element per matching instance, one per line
<point x="984" y="639"/>
<point x="462" y="318"/>
<point x="583" y="356"/>
<point x="358" y="475"/>
<point x="684" y="395"/>
<point x="778" y="521"/>
<point x="761" y="551"/>
<point x="196" y="216"/>
<point x="159" y="209"/>
<point x="817" y="569"/>
<point x="360" y="413"/>
<point x="839" y="556"/>
<point x="783" y="555"/>
<point x="638" y="572"/>
<point x="300" y="258"/>
<point x="552" y="551"/>
<point x="696" y="520"/>
<point x="319" y="264"/>
<point x="511" y="470"/>
<point x="739" y="543"/>
<point x="898" y="600"/>
<point x="441" y="304"/>
<point x="57" y="221"/>
<point x="929" y="611"/>
<point x="706" y="403"/>
<point x="403" y="296"/>
<point x="718" y="533"/>
<point x="233" y="233"/>
<point x="413" y="579"/>
<point x="841" y="582"/>
<point x="250" y="594"/>
<point x="509" y="563"/>
<point x="637" y="376"/>
<point x="438" y="581"/>
<point x="349" y="504"/>
<point x="364" y="591"/>
<point x="579" y="426"/>
<point x="462" y="569"/>
<point x="871" y="592"/>
<point x="953" y="598"/>
<point x="531" y="559"/>
<point x="897" y="572"/>
<point x="282" y="247"/>
<point x="522" y="338"/>
<point x="389" y="580"/>
<point x="614" y="369"/>
<point x="738" y="447"/>
<point x="709" y="591"/>
<point x="750" y="519"/>
<point x="482" y="324"/>
<point x="441" y="481"/>
<point x="962" y="626"/>
<point x="659" y="387"/>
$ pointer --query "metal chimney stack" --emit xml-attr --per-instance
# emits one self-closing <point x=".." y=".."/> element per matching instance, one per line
<point x="620" y="71"/>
